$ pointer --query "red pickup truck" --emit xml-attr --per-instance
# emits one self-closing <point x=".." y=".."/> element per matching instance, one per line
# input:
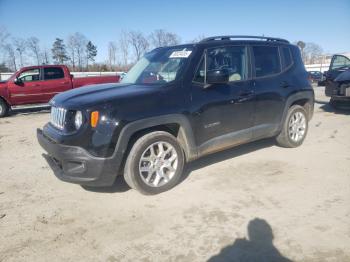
<point x="34" y="86"/>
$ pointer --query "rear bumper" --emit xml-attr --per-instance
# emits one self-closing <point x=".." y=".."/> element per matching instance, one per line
<point x="74" y="164"/>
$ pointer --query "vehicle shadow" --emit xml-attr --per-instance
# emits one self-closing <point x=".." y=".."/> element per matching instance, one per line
<point x="29" y="111"/>
<point x="326" y="107"/>
<point x="258" y="247"/>
<point x="226" y="154"/>
<point x="119" y="186"/>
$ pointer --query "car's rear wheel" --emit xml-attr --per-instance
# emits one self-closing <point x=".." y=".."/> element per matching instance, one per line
<point x="294" y="128"/>
<point x="155" y="163"/>
<point x="3" y="108"/>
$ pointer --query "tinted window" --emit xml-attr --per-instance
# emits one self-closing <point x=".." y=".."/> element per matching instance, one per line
<point x="340" y="61"/>
<point x="233" y="58"/>
<point x="267" y="60"/>
<point x="287" y="57"/>
<point x="53" y="73"/>
<point x="30" y="75"/>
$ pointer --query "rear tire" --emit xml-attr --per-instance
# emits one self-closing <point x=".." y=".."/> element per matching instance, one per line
<point x="294" y="128"/>
<point x="3" y="108"/>
<point x="154" y="163"/>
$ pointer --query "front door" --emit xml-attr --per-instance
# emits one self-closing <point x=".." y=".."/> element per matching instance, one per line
<point x="222" y="113"/>
<point x="27" y="88"/>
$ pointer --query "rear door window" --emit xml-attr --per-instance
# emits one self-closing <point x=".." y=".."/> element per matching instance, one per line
<point x="53" y="73"/>
<point x="267" y="60"/>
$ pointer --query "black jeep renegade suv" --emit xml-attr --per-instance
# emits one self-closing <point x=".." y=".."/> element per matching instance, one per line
<point x="175" y="105"/>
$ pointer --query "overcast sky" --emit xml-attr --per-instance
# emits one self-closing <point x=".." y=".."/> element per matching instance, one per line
<point x="326" y="23"/>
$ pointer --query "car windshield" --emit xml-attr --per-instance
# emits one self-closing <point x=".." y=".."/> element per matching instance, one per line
<point x="159" y="66"/>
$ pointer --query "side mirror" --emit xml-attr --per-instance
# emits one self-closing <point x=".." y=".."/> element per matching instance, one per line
<point x="18" y="81"/>
<point x="220" y="76"/>
<point x="71" y="76"/>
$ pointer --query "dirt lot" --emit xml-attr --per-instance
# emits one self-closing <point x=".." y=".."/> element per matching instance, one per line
<point x="256" y="199"/>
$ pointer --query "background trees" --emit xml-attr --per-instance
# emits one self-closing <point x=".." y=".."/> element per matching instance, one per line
<point x="91" y="53"/>
<point x="34" y="48"/>
<point x="59" y="52"/>
<point x="79" y="53"/>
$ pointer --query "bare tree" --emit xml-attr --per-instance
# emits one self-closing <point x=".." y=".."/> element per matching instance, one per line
<point x="160" y="37"/>
<point x="3" y="36"/>
<point x="20" y="46"/>
<point x="71" y="44"/>
<point x="11" y="57"/>
<point x="45" y="57"/>
<point x="3" y="40"/>
<point x="124" y="48"/>
<point x="33" y="45"/>
<point x="77" y="45"/>
<point x="198" y="38"/>
<point x="301" y="45"/>
<point x="139" y="43"/>
<point x="112" y="50"/>
<point x="312" y="52"/>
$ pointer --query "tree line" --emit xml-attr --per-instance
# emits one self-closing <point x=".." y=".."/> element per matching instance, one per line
<point x="79" y="53"/>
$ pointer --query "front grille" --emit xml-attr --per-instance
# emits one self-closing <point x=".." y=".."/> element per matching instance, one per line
<point x="58" y="117"/>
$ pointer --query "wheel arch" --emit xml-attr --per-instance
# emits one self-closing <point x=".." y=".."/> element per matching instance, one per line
<point x="305" y="99"/>
<point x="175" y="124"/>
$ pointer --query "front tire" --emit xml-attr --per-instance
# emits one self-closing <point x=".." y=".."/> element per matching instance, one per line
<point x="294" y="128"/>
<point x="154" y="164"/>
<point x="3" y="108"/>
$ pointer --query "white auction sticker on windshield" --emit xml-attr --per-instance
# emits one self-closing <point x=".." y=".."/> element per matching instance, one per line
<point x="180" y="54"/>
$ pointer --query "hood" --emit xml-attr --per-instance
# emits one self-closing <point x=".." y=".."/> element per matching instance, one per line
<point x="93" y="95"/>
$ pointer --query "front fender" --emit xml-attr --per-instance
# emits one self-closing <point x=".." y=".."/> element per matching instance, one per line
<point x="185" y="135"/>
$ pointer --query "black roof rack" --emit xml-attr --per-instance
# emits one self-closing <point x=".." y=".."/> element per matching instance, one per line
<point x="229" y="37"/>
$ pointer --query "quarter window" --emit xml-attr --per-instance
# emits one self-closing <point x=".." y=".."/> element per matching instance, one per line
<point x="267" y="60"/>
<point x="232" y="58"/>
<point x="287" y="57"/>
<point x="30" y="75"/>
<point x="53" y="73"/>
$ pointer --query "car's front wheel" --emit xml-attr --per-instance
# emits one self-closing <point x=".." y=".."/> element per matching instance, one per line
<point x="294" y="128"/>
<point x="154" y="163"/>
<point x="3" y="108"/>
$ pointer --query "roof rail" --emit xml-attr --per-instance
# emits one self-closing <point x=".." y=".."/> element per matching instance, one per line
<point x="229" y="37"/>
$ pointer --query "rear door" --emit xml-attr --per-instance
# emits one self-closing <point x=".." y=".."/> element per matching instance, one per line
<point x="270" y="86"/>
<point x="54" y="82"/>
<point x="28" y="89"/>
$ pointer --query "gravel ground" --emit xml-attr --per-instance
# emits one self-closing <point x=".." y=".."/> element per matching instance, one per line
<point x="253" y="202"/>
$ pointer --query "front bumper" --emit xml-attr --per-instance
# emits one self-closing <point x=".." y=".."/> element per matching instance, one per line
<point x="74" y="164"/>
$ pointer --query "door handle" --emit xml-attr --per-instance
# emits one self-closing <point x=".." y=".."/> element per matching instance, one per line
<point x="284" y="84"/>
<point x="244" y="96"/>
<point x="64" y="83"/>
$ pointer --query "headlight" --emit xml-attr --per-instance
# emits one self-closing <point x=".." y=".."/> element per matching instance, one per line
<point x="78" y="119"/>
